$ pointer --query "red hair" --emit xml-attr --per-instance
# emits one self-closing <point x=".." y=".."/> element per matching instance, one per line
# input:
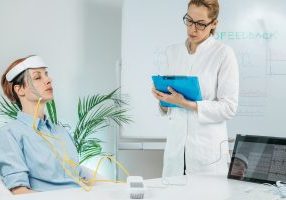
<point x="8" y="87"/>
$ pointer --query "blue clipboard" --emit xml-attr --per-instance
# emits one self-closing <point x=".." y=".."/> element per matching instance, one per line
<point x="188" y="86"/>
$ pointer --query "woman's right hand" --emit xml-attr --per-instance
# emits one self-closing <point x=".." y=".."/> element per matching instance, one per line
<point x="173" y="97"/>
<point x="21" y="190"/>
<point x="158" y="95"/>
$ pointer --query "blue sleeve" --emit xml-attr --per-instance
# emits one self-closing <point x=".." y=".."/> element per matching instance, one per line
<point x="13" y="168"/>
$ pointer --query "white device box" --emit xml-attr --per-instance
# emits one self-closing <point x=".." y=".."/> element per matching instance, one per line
<point x="136" y="187"/>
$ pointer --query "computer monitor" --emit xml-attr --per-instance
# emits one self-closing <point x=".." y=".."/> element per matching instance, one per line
<point x="258" y="159"/>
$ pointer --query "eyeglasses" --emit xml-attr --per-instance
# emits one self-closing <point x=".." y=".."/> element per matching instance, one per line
<point x="199" y="26"/>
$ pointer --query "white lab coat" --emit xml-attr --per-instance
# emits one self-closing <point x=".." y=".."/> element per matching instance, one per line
<point x="201" y="133"/>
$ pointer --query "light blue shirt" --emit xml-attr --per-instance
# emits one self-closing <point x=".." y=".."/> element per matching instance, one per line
<point x="27" y="160"/>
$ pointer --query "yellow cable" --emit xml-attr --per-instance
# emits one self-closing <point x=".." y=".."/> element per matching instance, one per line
<point x="66" y="160"/>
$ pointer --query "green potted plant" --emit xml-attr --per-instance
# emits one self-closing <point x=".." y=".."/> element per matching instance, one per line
<point x="94" y="113"/>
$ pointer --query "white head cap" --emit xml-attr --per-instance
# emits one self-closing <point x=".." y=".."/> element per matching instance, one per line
<point x="29" y="63"/>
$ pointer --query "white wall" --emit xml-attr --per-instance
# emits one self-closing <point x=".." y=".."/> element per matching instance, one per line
<point x="145" y="163"/>
<point x="253" y="31"/>
<point x="102" y="40"/>
<point x="78" y="39"/>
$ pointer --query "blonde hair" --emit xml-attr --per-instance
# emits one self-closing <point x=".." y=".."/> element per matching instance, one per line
<point x="211" y="5"/>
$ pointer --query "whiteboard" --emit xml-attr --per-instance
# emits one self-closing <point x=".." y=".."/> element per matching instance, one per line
<point x="254" y="29"/>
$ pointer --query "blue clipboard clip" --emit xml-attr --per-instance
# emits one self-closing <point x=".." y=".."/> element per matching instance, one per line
<point x="188" y="86"/>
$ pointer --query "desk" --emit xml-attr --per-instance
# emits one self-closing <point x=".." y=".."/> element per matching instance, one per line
<point x="199" y="187"/>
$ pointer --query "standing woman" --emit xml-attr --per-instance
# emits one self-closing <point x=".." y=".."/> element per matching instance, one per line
<point x="198" y="140"/>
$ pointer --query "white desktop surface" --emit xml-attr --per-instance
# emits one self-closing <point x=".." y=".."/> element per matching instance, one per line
<point x="198" y="187"/>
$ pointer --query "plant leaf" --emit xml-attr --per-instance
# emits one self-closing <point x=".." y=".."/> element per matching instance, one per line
<point x="96" y="112"/>
<point x="51" y="108"/>
<point x="8" y="109"/>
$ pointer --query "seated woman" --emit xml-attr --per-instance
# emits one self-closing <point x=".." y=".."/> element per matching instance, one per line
<point x="29" y="162"/>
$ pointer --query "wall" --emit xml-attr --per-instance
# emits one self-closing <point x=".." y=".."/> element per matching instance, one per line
<point x="78" y="39"/>
<point x="145" y="163"/>
<point x="252" y="28"/>
<point x="253" y="31"/>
